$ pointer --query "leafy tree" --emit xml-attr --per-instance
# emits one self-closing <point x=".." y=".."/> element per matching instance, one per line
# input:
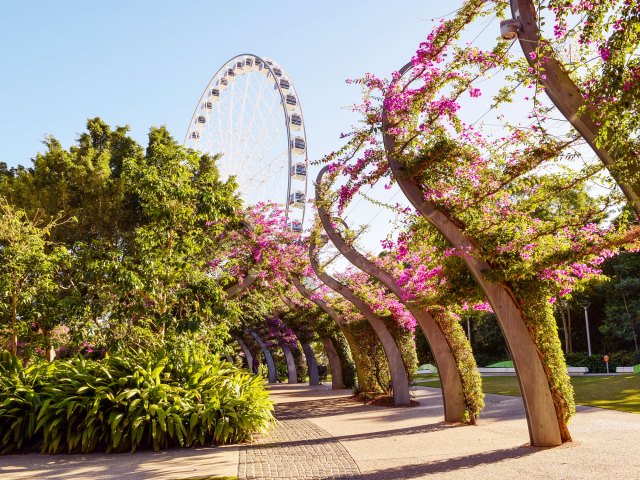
<point x="145" y="231"/>
<point x="29" y="271"/>
<point x="621" y="325"/>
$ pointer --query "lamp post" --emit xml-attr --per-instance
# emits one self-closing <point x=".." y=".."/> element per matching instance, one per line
<point x="585" y="305"/>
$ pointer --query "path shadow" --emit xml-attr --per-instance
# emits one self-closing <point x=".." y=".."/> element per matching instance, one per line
<point x="171" y="463"/>
<point x="328" y="438"/>
<point x="457" y="464"/>
<point x="330" y="407"/>
<point x="315" y="408"/>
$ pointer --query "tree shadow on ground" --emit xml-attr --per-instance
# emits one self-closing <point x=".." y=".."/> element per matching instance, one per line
<point x="171" y="463"/>
<point x="331" y="407"/>
<point x="328" y="438"/>
<point x="457" y="464"/>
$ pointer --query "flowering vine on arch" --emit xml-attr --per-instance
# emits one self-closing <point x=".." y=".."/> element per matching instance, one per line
<point x="521" y="211"/>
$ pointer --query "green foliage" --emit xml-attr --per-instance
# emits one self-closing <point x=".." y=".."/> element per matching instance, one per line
<point x="621" y="325"/>
<point x="136" y="227"/>
<point x="596" y="364"/>
<point x="30" y="271"/>
<point x="505" y="364"/>
<point x="158" y="399"/>
<point x="19" y="402"/>
<point x="540" y="321"/>
<point x="282" y="372"/>
<point x="461" y="349"/>
<point x="405" y="341"/>
<point x="370" y="361"/>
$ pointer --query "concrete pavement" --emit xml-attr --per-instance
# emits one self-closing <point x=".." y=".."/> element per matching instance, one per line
<point x="323" y="434"/>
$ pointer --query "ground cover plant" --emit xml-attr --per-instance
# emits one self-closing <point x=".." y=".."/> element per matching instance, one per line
<point x="128" y="401"/>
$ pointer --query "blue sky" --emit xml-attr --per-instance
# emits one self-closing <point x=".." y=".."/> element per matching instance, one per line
<point x="145" y="63"/>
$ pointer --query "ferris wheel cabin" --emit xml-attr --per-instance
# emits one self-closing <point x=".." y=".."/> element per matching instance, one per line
<point x="299" y="171"/>
<point x="291" y="101"/>
<point x="296" y="199"/>
<point x="284" y="84"/>
<point x="214" y="95"/>
<point x="298" y="145"/>
<point x="295" y="226"/>
<point x="295" y="121"/>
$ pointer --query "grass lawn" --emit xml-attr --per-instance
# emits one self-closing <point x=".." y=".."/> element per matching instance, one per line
<point x="617" y="392"/>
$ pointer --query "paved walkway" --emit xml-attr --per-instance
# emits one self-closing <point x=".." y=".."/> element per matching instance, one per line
<point x="322" y="434"/>
<point x="297" y="449"/>
<point x="414" y="443"/>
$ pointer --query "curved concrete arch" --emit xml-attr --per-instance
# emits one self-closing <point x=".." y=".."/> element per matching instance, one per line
<point x="397" y="369"/>
<point x="337" y="379"/>
<point x="312" y="363"/>
<point x="292" y="371"/>
<point x="247" y="352"/>
<point x="563" y="92"/>
<point x="238" y="288"/>
<point x="310" y="359"/>
<point x="450" y="379"/>
<point x="271" y="366"/>
<point x="546" y="428"/>
<point x="324" y="306"/>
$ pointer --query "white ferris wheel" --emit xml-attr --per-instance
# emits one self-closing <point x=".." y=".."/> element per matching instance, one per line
<point x="250" y="113"/>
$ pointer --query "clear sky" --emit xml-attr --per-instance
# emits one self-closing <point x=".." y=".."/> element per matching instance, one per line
<point x="144" y="63"/>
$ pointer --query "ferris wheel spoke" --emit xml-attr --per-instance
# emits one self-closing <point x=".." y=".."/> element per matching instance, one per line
<point x="272" y="166"/>
<point x="261" y="136"/>
<point x="257" y="110"/>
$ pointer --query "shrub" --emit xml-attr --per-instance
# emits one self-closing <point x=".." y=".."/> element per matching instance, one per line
<point x="129" y="401"/>
<point x="19" y="402"/>
<point x="595" y="363"/>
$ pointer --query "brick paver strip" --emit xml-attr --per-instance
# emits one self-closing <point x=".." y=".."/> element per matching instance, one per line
<point x="296" y="449"/>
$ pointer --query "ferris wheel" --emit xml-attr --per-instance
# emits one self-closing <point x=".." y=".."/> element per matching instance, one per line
<point x="250" y="113"/>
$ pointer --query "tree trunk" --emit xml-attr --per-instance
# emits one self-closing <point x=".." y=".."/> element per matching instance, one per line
<point x="565" y="329"/>
<point x="633" y="329"/>
<point x="569" y="329"/>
